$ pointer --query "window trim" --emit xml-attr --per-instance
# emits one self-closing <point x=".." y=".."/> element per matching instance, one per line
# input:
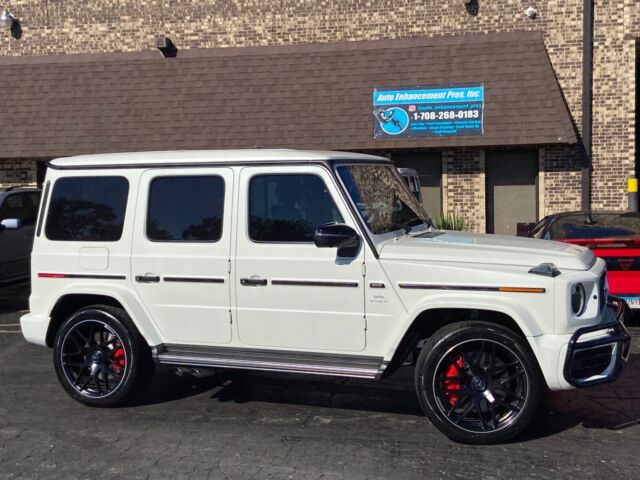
<point x="281" y="174"/>
<point x="74" y="177"/>
<point x="43" y="206"/>
<point x="146" y="217"/>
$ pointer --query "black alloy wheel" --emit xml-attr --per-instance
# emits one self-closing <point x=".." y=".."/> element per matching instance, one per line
<point x="478" y="382"/>
<point x="93" y="358"/>
<point x="100" y="358"/>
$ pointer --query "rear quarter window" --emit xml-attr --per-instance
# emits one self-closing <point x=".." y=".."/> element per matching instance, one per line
<point x="90" y="209"/>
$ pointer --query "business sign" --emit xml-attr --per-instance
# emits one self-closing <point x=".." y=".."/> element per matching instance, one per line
<point x="433" y="111"/>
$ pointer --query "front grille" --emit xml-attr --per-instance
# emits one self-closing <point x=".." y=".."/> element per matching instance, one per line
<point x="594" y="361"/>
<point x="602" y="290"/>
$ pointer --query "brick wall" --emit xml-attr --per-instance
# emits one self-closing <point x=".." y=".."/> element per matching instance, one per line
<point x="463" y="186"/>
<point x="74" y="26"/>
<point x="561" y="172"/>
<point x="613" y="106"/>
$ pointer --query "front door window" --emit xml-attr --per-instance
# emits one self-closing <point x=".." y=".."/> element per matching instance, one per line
<point x="289" y="208"/>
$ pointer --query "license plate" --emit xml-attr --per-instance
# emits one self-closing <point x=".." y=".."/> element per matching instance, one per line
<point x="633" y="302"/>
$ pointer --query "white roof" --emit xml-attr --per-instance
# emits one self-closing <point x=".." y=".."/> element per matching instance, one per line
<point x="207" y="156"/>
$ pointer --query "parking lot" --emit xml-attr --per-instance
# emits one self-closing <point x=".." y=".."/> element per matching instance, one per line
<point x="262" y="426"/>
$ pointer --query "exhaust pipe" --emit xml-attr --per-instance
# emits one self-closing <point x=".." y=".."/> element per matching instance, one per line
<point x="193" y="372"/>
<point x="181" y="371"/>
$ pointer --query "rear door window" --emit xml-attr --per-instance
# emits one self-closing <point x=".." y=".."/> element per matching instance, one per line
<point x="88" y="209"/>
<point x="185" y="209"/>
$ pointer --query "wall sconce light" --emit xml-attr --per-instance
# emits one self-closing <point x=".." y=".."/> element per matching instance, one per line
<point x="472" y="7"/>
<point x="531" y="12"/>
<point x="8" y="20"/>
<point x="166" y="47"/>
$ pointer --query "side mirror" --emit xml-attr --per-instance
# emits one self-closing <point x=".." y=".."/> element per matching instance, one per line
<point x="11" y="224"/>
<point x="524" y="229"/>
<point x="339" y="236"/>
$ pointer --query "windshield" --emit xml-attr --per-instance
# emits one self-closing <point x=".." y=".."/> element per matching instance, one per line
<point x="595" y="226"/>
<point x="536" y="232"/>
<point x="382" y="198"/>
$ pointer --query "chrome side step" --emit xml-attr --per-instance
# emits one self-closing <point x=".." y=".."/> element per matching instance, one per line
<point x="357" y="366"/>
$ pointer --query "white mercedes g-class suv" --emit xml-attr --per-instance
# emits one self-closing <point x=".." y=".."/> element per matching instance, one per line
<point x="307" y="262"/>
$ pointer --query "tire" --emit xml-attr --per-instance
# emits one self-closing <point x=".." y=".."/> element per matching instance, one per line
<point x="100" y="358"/>
<point x="479" y="383"/>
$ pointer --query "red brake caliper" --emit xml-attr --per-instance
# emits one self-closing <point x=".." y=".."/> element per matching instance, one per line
<point x="119" y="359"/>
<point x="452" y="381"/>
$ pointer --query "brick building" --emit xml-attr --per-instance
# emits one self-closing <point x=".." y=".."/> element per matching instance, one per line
<point x="85" y="76"/>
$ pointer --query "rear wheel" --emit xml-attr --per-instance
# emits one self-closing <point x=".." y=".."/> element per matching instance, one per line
<point x="100" y="358"/>
<point x="478" y="382"/>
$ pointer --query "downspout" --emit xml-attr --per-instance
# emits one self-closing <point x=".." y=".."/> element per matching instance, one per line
<point x="587" y="96"/>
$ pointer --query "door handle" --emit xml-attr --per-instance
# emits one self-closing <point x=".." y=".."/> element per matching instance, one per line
<point x="253" y="282"/>
<point x="147" y="279"/>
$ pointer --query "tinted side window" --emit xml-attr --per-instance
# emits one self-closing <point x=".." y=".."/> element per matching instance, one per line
<point x="186" y="208"/>
<point x="289" y="208"/>
<point x="87" y="209"/>
<point x="31" y="202"/>
<point x="13" y="206"/>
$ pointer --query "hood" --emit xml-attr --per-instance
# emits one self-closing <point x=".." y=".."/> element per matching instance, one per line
<point x="490" y="249"/>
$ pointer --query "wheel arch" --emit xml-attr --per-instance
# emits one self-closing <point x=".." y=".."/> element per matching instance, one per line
<point x="427" y="321"/>
<point x="72" y="301"/>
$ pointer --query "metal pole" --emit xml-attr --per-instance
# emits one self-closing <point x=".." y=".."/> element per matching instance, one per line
<point x="587" y="95"/>
<point x="632" y="191"/>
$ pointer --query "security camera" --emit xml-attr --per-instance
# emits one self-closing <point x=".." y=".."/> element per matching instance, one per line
<point x="6" y="19"/>
<point x="531" y="12"/>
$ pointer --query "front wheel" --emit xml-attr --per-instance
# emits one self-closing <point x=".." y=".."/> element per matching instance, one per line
<point x="100" y="358"/>
<point x="479" y="383"/>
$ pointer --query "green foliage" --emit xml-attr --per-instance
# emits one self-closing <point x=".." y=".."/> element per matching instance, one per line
<point x="450" y="221"/>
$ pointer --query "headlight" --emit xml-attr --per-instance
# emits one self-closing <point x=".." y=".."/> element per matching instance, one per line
<point x="578" y="299"/>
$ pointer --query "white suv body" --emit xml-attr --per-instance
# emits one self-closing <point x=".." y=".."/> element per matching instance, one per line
<point x="246" y="286"/>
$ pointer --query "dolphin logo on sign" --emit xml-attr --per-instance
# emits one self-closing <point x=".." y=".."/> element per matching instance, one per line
<point x="392" y="120"/>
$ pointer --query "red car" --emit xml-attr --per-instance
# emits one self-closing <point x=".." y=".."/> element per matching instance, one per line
<point x="614" y="237"/>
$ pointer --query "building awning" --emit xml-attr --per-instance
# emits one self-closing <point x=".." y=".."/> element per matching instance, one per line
<point x="301" y="96"/>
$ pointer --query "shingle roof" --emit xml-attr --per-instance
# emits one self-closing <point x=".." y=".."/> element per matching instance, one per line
<point x="304" y="96"/>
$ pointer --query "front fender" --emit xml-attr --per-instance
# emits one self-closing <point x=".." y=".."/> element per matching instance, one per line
<point x="503" y="303"/>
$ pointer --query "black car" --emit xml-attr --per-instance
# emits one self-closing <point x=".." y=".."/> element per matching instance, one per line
<point x="18" y="212"/>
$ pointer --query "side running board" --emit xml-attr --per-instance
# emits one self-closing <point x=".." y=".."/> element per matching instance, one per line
<point x="357" y="366"/>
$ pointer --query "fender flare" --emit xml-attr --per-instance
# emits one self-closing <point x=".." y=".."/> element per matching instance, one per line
<point x="507" y="306"/>
<point x="123" y="295"/>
